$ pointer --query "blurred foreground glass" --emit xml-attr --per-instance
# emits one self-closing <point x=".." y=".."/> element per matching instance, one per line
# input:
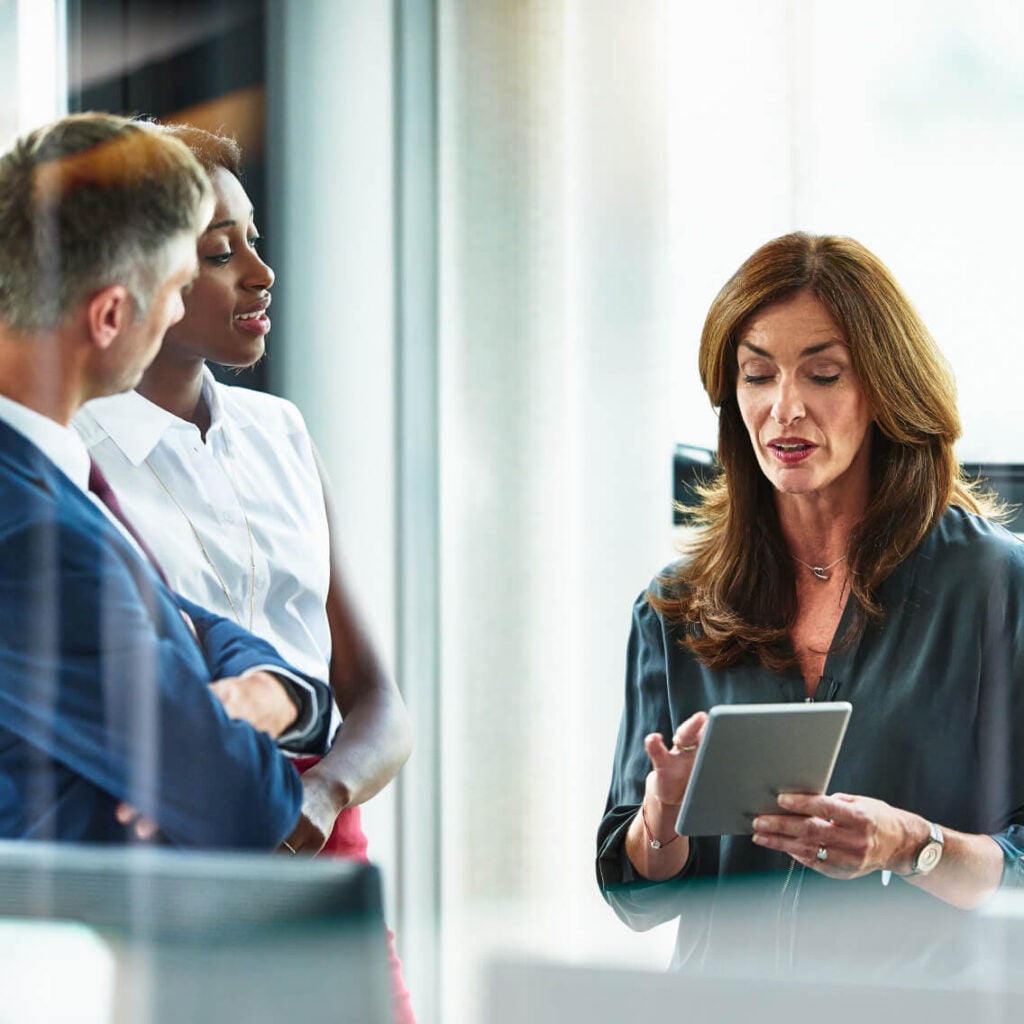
<point x="165" y="936"/>
<point x="981" y="981"/>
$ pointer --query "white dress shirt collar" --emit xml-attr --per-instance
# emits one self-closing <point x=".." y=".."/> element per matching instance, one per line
<point x="137" y="425"/>
<point x="59" y="443"/>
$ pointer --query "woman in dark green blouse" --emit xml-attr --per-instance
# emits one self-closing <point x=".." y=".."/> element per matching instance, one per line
<point x="838" y="556"/>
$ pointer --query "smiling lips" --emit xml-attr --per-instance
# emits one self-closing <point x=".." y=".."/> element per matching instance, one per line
<point x="790" y="450"/>
<point x="255" y="321"/>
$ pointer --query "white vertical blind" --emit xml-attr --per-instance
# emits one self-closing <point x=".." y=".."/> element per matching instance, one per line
<point x="555" y="479"/>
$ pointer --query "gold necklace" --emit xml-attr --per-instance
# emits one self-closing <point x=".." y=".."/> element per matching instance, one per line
<point x="202" y="547"/>
<point x="821" y="571"/>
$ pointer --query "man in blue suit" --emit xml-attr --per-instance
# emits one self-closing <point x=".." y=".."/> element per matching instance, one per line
<point x="105" y="674"/>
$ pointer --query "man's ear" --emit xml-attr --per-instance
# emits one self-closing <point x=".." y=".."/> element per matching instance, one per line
<point x="108" y="312"/>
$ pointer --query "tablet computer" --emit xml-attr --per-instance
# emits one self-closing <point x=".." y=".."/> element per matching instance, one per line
<point x="750" y="754"/>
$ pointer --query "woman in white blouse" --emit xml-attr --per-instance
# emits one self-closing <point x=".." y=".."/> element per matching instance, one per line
<point x="224" y="485"/>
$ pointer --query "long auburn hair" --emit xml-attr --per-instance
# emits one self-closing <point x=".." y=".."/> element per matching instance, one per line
<point x="736" y="593"/>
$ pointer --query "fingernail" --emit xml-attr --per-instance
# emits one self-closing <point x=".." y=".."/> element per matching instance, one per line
<point x="785" y="800"/>
<point x="758" y="824"/>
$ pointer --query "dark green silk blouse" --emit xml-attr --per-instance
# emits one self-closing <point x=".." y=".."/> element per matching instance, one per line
<point x="937" y="728"/>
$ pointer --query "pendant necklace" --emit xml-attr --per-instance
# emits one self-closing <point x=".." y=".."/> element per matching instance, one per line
<point x="821" y="571"/>
<point x="202" y="546"/>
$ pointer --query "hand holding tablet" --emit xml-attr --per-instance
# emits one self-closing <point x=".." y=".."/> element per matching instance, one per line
<point x="750" y="753"/>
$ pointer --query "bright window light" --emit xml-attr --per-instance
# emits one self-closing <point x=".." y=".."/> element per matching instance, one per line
<point x="42" y="62"/>
<point x="54" y="971"/>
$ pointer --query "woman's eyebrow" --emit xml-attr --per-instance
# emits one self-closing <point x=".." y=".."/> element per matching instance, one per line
<point x="220" y="224"/>
<point x="228" y="223"/>
<point x="811" y="350"/>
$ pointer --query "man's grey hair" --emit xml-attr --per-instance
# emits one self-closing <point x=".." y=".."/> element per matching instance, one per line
<point x="86" y="202"/>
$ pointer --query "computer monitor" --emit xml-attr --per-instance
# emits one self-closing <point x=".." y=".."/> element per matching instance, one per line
<point x="692" y="466"/>
<point x="213" y="936"/>
<point x="1007" y="480"/>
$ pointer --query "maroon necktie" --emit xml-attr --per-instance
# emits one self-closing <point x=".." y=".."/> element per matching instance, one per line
<point x="100" y="486"/>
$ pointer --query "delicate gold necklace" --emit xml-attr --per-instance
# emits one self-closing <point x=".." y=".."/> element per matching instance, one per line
<point x="821" y="571"/>
<point x="202" y="547"/>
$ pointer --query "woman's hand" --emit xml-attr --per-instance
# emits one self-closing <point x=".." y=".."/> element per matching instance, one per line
<point x="651" y="842"/>
<point x="857" y="834"/>
<point x="322" y="801"/>
<point x="671" y="768"/>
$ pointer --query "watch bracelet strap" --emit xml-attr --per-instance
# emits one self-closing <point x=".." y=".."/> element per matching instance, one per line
<point x="934" y="836"/>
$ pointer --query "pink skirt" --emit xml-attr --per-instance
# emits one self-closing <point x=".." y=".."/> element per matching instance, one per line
<point x="348" y="840"/>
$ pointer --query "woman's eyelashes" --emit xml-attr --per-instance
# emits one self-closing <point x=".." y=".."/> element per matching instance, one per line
<point x="220" y="259"/>
<point x="824" y="379"/>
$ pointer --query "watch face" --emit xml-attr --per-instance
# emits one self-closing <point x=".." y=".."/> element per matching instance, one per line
<point x="929" y="857"/>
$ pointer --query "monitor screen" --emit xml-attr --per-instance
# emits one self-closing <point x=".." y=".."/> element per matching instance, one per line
<point x="692" y="465"/>
<point x="1007" y="480"/>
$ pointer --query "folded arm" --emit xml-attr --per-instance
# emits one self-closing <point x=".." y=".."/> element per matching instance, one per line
<point x="256" y="685"/>
<point x="101" y="675"/>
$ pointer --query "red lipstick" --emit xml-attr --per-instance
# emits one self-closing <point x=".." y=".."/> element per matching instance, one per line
<point x="791" y="450"/>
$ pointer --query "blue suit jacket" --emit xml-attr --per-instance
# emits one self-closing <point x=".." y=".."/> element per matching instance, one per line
<point x="104" y="690"/>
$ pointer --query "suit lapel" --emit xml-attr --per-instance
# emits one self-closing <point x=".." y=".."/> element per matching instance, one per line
<point x="36" y="475"/>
